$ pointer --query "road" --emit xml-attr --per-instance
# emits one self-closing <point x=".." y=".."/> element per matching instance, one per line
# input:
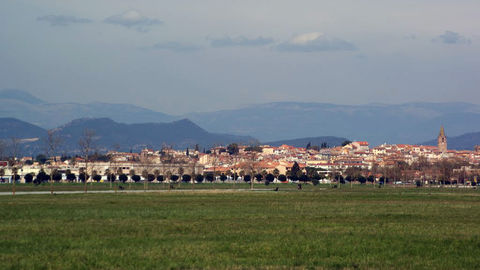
<point x="127" y="191"/>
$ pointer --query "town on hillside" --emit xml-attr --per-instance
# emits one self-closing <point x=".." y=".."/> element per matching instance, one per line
<point x="352" y="162"/>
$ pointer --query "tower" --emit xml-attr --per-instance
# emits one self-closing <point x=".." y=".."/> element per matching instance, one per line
<point x="442" y="141"/>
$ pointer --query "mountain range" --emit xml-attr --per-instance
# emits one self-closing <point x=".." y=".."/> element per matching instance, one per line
<point x="26" y="107"/>
<point x="109" y="134"/>
<point x="376" y="123"/>
<point x="463" y="142"/>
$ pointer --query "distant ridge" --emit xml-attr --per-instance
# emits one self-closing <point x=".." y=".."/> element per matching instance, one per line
<point x="109" y="134"/>
<point x="26" y="107"/>
<point x="20" y="95"/>
<point x="376" y="123"/>
<point x="466" y="141"/>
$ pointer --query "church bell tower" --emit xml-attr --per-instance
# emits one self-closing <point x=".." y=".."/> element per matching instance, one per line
<point x="442" y="141"/>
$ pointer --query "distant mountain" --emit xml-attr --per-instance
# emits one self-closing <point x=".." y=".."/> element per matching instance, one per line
<point x="314" y="141"/>
<point x="463" y="142"/>
<point x="24" y="106"/>
<point x="376" y="123"/>
<point x="109" y="134"/>
<point x="19" y="95"/>
<point x="14" y="128"/>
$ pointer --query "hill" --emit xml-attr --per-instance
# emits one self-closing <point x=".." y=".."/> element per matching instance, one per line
<point x="178" y="134"/>
<point x="24" y="106"/>
<point x="376" y="123"/>
<point x="463" y="142"/>
<point x="314" y="141"/>
<point x="14" y="128"/>
<point x="109" y="134"/>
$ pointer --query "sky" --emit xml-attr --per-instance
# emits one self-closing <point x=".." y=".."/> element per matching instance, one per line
<point x="184" y="56"/>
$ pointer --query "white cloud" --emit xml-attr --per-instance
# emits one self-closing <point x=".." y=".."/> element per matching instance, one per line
<point x="315" y="42"/>
<point x="133" y="19"/>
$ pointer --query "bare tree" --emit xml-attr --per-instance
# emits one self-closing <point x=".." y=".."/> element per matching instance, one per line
<point x="86" y="147"/>
<point x="15" y="148"/>
<point x="52" y="143"/>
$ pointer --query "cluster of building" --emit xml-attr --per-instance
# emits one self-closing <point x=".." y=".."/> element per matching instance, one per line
<point x="236" y="161"/>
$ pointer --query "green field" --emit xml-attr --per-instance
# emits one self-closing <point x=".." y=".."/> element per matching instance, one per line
<point x="313" y="228"/>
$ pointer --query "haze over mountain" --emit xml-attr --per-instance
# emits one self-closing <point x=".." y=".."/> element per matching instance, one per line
<point x="375" y="123"/>
<point x="463" y="142"/>
<point x="110" y="134"/>
<point x="24" y="106"/>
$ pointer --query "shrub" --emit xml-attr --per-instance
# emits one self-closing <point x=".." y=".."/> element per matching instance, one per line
<point x="28" y="178"/>
<point x="174" y="177"/>
<point x="136" y="178"/>
<point x="186" y="178"/>
<point x="71" y="177"/>
<point x="123" y="178"/>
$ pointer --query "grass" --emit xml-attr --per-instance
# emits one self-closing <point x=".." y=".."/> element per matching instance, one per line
<point x="314" y="228"/>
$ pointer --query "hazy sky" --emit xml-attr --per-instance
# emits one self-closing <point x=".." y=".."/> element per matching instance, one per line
<point x="188" y="55"/>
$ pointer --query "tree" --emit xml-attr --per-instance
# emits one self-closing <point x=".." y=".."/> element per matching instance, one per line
<point x="56" y="176"/>
<point x="15" y="148"/>
<point x="247" y="178"/>
<point x="276" y="173"/>
<point x="282" y="178"/>
<point x="346" y="142"/>
<point x="294" y="172"/>
<point x="86" y="147"/>
<point x="186" y="178"/>
<point x="209" y="177"/>
<point x="160" y="178"/>
<point x="223" y="177"/>
<point x="233" y="149"/>
<point x="2" y="173"/>
<point x="174" y="178"/>
<point x="136" y="178"/>
<point x="97" y="177"/>
<point x="41" y="177"/>
<point x="41" y="159"/>
<point x="362" y="179"/>
<point x="303" y="178"/>
<point x="52" y="142"/>
<point x="259" y="177"/>
<point x="123" y="178"/>
<point x="309" y="145"/>
<point x="254" y="148"/>
<point x="199" y="178"/>
<point x="71" y="177"/>
<point x="28" y="178"/>
<point x="269" y="177"/>
<point x="150" y="177"/>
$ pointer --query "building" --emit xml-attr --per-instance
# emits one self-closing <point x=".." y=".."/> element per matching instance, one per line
<point x="442" y="141"/>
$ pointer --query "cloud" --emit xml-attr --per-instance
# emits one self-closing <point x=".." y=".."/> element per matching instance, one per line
<point x="450" y="37"/>
<point x="133" y="19"/>
<point x="315" y="42"/>
<point x="240" y="41"/>
<point x="61" y="20"/>
<point x="175" y="47"/>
